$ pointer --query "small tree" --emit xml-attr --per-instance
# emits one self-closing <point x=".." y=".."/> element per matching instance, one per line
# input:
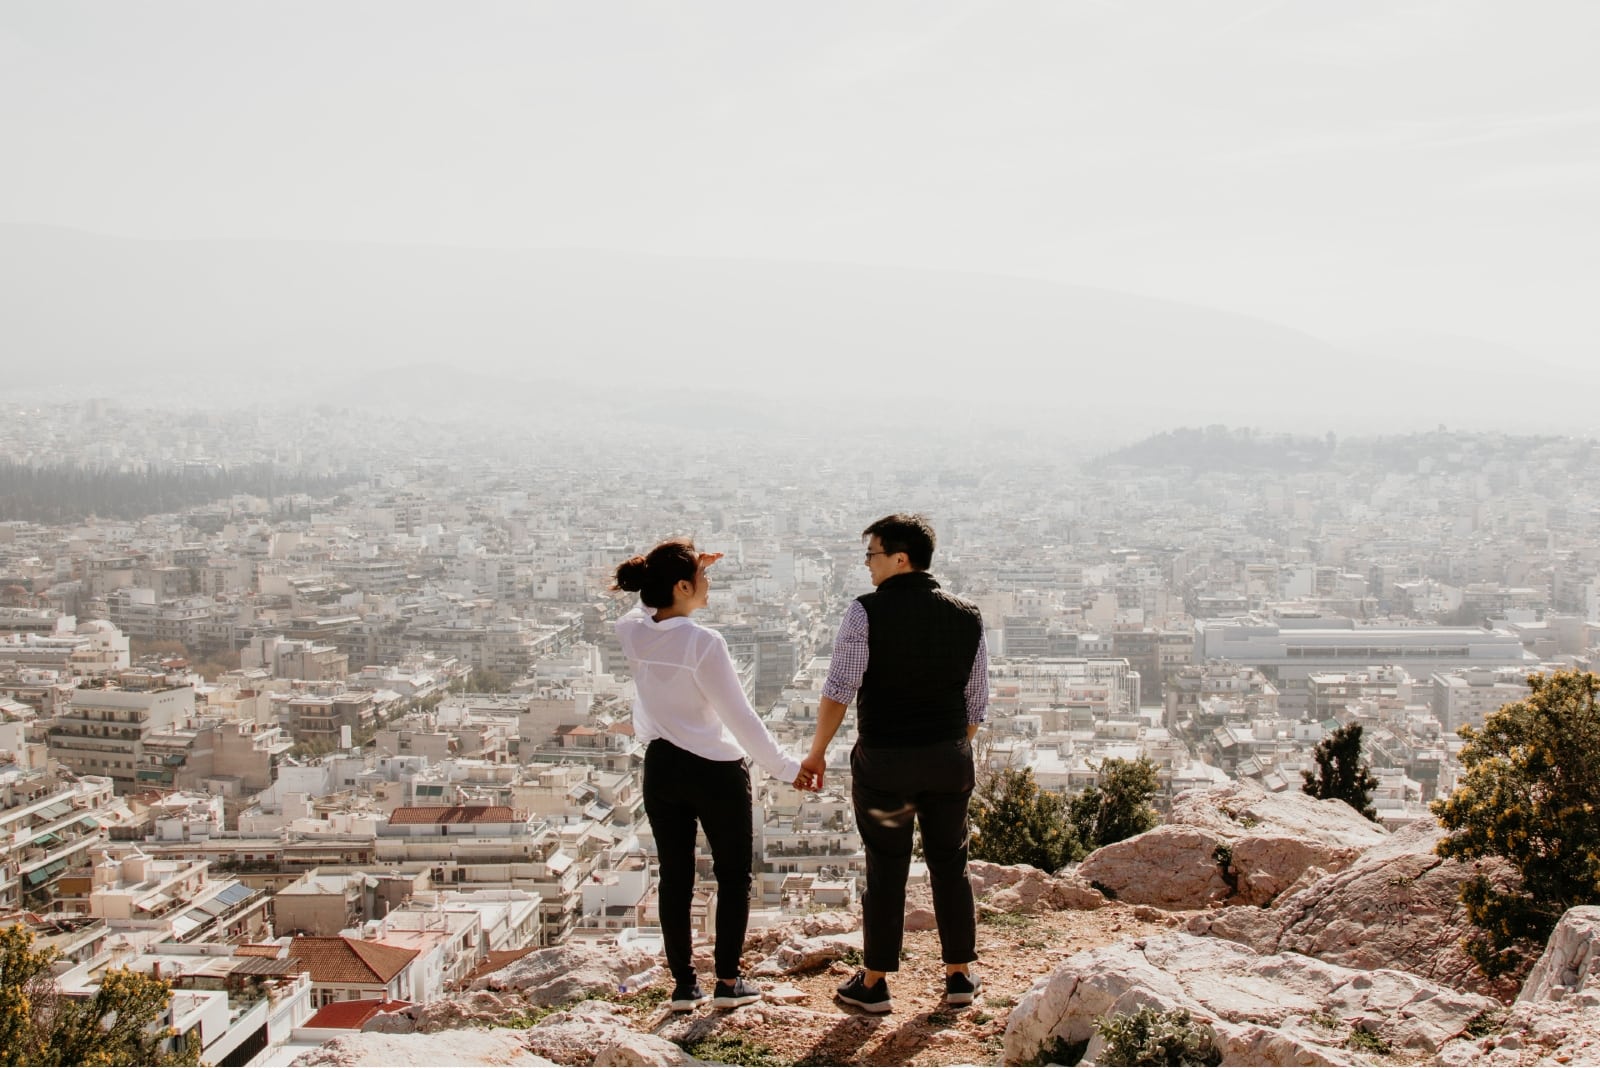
<point x="1341" y="774"/>
<point x="1529" y="793"/>
<point x="40" y="1025"/>
<point x="1015" y="822"/>
<point x="1118" y="805"/>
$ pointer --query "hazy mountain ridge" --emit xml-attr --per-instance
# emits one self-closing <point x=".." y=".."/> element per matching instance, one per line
<point x="285" y="318"/>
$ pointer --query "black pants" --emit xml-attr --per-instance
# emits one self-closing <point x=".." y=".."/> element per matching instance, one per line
<point x="680" y="788"/>
<point x="890" y="787"/>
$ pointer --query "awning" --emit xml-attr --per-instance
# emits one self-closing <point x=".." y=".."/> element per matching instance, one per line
<point x="47" y="840"/>
<point x="154" y="902"/>
<point x="39" y="875"/>
<point x="234" y="894"/>
<point x="183" y="926"/>
<point x="55" y="811"/>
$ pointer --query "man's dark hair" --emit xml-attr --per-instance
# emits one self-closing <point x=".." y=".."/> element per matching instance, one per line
<point x="905" y="532"/>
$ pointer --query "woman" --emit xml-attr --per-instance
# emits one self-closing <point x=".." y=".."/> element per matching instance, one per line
<point x="693" y="715"/>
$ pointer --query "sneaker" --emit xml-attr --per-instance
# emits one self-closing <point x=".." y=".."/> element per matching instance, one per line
<point x="732" y="995"/>
<point x="685" y="996"/>
<point x="959" y="988"/>
<point x="871" y="998"/>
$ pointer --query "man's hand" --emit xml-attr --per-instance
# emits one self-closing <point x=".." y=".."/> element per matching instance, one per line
<point x="811" y="774"/>
<point x="707" y="559"/>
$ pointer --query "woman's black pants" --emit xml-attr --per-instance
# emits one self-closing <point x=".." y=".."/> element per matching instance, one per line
<point x="680" y="789"/>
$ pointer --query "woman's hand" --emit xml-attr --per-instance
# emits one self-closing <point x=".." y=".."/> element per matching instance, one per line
<point x="810" y="777"/>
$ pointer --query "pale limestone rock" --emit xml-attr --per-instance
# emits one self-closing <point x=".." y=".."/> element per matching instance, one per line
<point x="565" y="973"/>
<point x="447" y="1048"/>
<point x="391" y="1023"/>
<point x="1265" y="865"/>
<point x="1259" y="1008"/>
<point x="1398" y="906"/>
<point x="573" y="1036"/>
<point x="1571" y="959"/>
<point x="805" y="954"/>
<point x="919" y="918"/>
<point x="1244" y="807"/>
<point x="1174" y="867"/>
<point x="478" y="1008"/>
<point x="1037" y="891"/>
<point x="767" y="939"/>
<point x="637" y="1049"/>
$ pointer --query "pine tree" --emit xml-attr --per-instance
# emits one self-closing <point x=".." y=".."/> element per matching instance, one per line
<point x="1015" y="822"/>
<point x="1341" y="774"/>
<point x="1118" y="805"/>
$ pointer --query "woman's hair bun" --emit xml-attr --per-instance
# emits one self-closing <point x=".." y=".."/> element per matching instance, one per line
<point x="631" y="575"/>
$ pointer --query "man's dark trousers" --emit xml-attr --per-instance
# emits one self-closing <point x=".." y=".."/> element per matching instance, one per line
<point x="890" y="786"/>
<point x="681" y="788"/>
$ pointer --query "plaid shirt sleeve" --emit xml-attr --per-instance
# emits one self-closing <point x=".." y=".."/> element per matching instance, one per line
<point x="849" y="662"/>
<point x="977" y="691"/>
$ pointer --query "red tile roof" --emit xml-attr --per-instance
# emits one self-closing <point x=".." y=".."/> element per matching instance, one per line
<point x="350" y="1015"/>
<point x="411" y="815"/>
<point x="349" y="960"/>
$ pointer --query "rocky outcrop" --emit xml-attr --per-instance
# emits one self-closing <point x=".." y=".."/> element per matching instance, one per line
<point x="806" y="954"/>
<point x="1398" y="906"/>
<point x="583" y="1035"/>
<point x="1244" y="808"/>
<point x="450" y="1048"/>
<point x="1556" y="1018"/>
<point x="1037" y="891"/>
<point x="566" y="973"/>
<point x="1570" y="963"/>
<point x="1276" y="1009"/>
<point x="1172" y="867"/>
<point x="1237" y="844"/>
<point x="766" y="940"/>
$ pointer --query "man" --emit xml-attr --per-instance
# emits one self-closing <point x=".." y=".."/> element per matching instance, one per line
<point x="913" y="658"/>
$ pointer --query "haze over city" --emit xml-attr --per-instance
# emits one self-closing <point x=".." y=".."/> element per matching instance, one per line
<point x="1241" y="357"/>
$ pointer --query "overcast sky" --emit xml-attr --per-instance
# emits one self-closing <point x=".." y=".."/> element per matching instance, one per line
<point x="1342" y="167"/>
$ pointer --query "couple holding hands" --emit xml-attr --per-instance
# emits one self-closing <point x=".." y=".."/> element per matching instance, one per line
<point x="913" y="659"/>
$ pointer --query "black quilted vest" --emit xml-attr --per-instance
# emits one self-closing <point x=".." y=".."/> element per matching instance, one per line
<point x="921" y="642"/>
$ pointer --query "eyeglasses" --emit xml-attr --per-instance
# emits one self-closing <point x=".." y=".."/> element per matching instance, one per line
<point x="871" y="554"/>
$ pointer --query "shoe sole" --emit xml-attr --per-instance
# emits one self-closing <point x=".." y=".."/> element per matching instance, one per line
<point x="867" y="1006"/>
<point x="685" y="1006"/>
<point x="959" y="999"/>
<point x="734" y="1003"/>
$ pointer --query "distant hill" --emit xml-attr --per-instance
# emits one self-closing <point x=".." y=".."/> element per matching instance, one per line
<point x="1219" y="448"/>
<point x="538" y="331"/>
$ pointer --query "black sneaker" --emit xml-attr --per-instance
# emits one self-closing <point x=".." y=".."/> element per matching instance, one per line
<point x="856" y="992"/>
<point x="732" y="995"/>
<point x="685" y="996"/>
<point x="959" y="988"/>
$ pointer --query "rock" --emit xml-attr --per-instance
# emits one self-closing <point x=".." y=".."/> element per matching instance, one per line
<point x="920" y="919"/>
<point x="806" y="954"/>
<point x="1036" y="891"/>
<point x="573" y="1036"/>
<point x="446" y="1048"/>
<point x="1265" y="865"/>
<point x="766" y="940"/>
<point x="1173" y="867"/>
<point x="1260" y="1009"/>
<point x="1244" y="808"/>
<point x="636" y="1049"/>
<point x="565" y="973"/>
<point x="1571" y="959"/>
<point x="1398" y="906"/>
<point x="986" y="876"/>
<point x="785" y="994"/>
<point x="391" y="1023"/>
<point x="479" y="1008"/>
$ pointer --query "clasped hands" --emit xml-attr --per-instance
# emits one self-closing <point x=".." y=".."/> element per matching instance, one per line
<point x="810" y="777"/>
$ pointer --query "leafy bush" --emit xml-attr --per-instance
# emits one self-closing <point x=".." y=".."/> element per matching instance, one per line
<point x="1118" y="805"/>
<point x="1015" y="822"/>
<point x="1529" y="793"/>
<point x="1148" y="1037"/>
<point x="1341" y="775"/>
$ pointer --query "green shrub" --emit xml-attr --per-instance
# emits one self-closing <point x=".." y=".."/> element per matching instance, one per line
<point x="1528" y="793"/>
<point x="1149" y="1037"/>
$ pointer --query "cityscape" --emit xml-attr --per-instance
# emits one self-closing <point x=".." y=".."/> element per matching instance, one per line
<point x="362" y="744"/>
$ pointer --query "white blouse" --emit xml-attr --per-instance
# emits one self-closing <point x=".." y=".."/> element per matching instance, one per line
<point x="688" y="693"/>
